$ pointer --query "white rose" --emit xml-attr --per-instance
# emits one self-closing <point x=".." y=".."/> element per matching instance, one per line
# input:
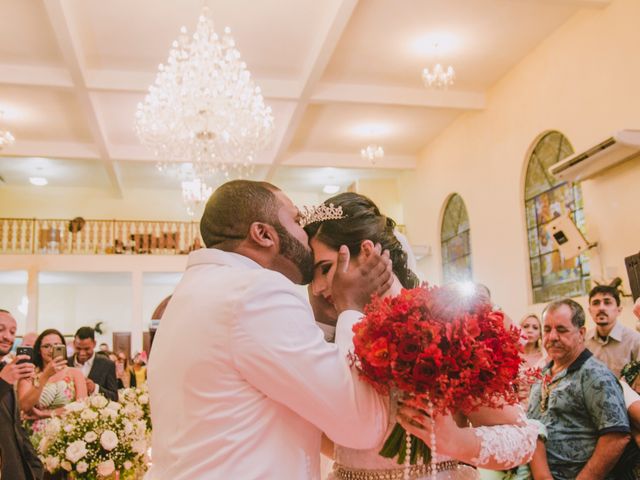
<point x="74" y="407"/>
<point x="128" y="427"/>
<point x="53" y="426"/>
<point x="115" y="406"/>
<point x="44" y="443"/>
<point x="139" y="446"/>
<point x="127" y="465"/>
<point x="108" y="440"/>
<point x="129" y="410"/>
<point x="106" y="468"/>
<point x="82" y="467"/>
<point x="51" y="463"/>
<point x="89" y="414"/>
<point x="141" y="427"/>
<point x="108" y="413"/>
<point x="99" y="401"/>
<point x="66" y="465"/>
<point x="143" y="399"/>
<point x="75" y="451"/>
<point x="90" y="436"/>
<point x="68" y="427"/>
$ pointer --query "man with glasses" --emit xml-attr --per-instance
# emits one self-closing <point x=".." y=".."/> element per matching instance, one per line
<point x="579" y="401"/>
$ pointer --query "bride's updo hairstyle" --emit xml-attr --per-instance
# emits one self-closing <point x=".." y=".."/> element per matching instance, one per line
<point x="362" y="221"/>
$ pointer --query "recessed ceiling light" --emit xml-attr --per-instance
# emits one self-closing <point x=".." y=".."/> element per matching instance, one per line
<point x="371" y="130"/>
<point x="38" y="181"/>
<point x="425" y="46"/>
<point x="331" y="189"/>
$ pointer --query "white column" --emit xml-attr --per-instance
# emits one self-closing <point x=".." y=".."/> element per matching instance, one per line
<point x="32" y="297"/>
<point x="136" y="311"/>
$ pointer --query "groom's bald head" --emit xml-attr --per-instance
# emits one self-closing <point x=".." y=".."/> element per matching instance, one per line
<point x="233" y="207"/>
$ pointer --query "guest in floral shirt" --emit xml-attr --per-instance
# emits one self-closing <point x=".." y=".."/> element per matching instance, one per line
<point x="579" y="401"/>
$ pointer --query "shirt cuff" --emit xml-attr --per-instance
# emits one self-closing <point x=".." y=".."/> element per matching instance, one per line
<point x="614" y="429"/>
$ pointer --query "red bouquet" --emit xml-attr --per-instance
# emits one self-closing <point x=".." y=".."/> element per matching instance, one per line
<point x="451" y="350"/>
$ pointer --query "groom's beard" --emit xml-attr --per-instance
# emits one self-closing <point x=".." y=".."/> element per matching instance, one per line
<point x="292" y="249"/>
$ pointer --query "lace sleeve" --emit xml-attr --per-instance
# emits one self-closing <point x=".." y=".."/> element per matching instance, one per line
<point x="509" y="445"/>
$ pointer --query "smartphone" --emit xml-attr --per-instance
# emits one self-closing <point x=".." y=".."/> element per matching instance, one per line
<point x="633" y="271"/>
<point x="25" y="351"/>
<point x="59" y="351"/>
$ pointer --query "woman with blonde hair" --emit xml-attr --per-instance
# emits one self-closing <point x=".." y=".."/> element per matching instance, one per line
<point x="533" y="355"/>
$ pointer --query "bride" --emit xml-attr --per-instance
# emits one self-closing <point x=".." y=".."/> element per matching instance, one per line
<point x="488" y="437"/>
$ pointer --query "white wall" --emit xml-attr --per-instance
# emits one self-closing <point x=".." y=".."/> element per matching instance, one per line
<point x="13" y="292"/>
<point x="583" y="81"/>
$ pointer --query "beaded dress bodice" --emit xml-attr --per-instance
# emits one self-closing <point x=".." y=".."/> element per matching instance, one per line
<point x="370" y="460"/>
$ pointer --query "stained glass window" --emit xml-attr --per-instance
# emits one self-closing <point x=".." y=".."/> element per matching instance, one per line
<point x="546" y="198"/>
<point x="455" y="241"/>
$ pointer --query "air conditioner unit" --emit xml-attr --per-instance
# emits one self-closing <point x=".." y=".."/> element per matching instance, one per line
<point x="624" y="145"/>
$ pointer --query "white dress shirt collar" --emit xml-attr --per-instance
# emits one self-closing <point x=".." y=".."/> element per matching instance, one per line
<point x="206" y="256"/>
<point x="85" y="367"/>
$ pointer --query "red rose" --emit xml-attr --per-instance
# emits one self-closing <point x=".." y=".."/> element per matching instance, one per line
<point x="408" y="348"/>
<point x="378" y="355"/>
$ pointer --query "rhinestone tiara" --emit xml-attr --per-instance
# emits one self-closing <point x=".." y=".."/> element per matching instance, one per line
<point x="322" y="212"/>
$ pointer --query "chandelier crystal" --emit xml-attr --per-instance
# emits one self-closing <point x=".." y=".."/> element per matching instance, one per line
<point x="372" y="153"/>
<point x="6" y="138"/>
<point x="195" y="194"/>
<point x="204" y="107"/>
<point x="438" y="77"/>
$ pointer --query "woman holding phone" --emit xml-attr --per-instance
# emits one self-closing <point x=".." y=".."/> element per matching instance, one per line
<point x="54" y="385"/>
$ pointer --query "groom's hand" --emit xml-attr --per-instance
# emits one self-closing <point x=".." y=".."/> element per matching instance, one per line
<point x="353" y="285"/>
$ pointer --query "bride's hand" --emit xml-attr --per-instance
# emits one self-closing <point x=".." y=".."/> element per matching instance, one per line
<point x="448" y="436"/>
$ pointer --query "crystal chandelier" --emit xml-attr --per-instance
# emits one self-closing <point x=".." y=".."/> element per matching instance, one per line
<point x="195" y="194"/>
<point x="372" y="153"/>
<point x="439" y="77"/>
<point x="6" y="138"/>
<point x="203" y="107"/>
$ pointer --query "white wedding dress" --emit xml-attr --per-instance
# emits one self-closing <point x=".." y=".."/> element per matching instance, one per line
<point x="510" y="444"/>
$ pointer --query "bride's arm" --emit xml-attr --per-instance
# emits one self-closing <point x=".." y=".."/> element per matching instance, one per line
<point x="505" y="438"/>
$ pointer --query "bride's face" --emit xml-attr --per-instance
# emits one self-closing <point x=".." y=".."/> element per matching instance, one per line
<point x="325" y="260"/>
<point x="324" y="267"/>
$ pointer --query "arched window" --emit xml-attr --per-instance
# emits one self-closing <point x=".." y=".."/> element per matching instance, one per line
<point x="455" y="241"/>
<point x="545" y="198"/>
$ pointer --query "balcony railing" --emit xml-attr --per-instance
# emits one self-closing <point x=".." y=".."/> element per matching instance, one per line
<point x="97" y="237"/>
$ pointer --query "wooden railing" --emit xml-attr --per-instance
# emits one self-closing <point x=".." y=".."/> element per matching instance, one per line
<point x="97" y="237"/>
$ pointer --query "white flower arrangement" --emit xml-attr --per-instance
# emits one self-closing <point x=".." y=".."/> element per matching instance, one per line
<point x="135" y="401"/>
<point x="96" y="438"/>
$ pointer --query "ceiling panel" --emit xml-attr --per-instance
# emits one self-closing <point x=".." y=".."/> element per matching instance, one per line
<point x="145" y="174"/>
<point x="26" y="36"/>
<point x="391" y="42"/>
<point x="312" y="179"/>
<point x="272" y="36"/>
<point x="43" y="114"/>
<point x="346" y="128"/>
<point x="59" y="172"/>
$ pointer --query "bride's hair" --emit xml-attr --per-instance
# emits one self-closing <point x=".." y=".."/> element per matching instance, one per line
<point x="362" y="221"/>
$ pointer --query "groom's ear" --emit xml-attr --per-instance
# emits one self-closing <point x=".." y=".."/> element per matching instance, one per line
<point x="263" y="234"/>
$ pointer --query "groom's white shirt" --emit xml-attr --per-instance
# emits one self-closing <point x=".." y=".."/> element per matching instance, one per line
<point x="242" y="382"/>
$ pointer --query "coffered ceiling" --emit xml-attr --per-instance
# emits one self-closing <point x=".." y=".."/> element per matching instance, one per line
<point x="339" y="74"/>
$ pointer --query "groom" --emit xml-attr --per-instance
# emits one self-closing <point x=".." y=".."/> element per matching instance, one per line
<point x="241" y="380"/>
